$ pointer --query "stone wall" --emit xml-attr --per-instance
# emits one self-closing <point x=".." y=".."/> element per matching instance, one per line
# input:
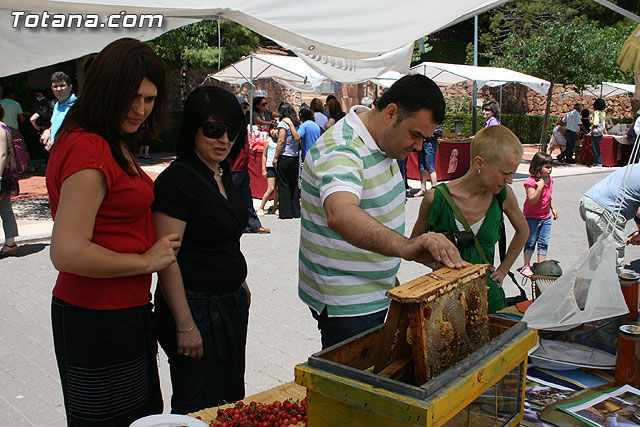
<point x="516" y="98"/>
<point x="519" y="99"/>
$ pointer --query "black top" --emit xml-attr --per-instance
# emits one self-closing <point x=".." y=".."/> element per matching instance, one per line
<point x="209" y="258"/>
<point x="44" y="119"/>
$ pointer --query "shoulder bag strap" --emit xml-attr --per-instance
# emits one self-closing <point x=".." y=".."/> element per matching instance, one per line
<point x="463" y="220"/>
<point x="502" y="242"/>
<point x="502" y="247"/>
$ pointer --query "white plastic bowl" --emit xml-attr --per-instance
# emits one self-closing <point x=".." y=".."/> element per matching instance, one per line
<point x="168" y="420"/>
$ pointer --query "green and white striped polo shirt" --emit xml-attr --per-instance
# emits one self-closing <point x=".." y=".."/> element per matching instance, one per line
<point x="348" y="280"/>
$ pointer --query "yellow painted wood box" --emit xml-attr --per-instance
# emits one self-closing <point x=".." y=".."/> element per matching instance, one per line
<point x="484" y="389"/>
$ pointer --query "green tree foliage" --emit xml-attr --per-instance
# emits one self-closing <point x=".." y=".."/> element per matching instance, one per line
<point x="520" y="18"/>
<point x="567" y="53"/>
<point x="198" y="44"/>
<point x="523" y="17"/>
<point x="564" y="52"/>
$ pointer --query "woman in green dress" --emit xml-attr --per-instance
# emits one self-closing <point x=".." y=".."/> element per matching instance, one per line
<point x="481" y="195"/>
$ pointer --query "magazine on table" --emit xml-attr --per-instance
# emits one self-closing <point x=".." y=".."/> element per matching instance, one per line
<point x="616" y="407"/>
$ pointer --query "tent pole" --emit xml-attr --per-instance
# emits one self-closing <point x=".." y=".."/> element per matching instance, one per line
<point x="500" y="112"/>
<point x="219" y="43"/>
<point x="475" y="82"/>
<point x="251" y="90"/>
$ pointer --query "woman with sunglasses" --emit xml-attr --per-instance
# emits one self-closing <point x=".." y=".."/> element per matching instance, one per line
<point x="202" y="302"/>
<point x="104" y="242"/>
<point x="261" y="114"/>
<point x="490" y="110"/>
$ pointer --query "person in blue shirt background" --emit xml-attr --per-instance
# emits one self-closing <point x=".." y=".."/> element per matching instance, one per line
<point x="308" y="130"/>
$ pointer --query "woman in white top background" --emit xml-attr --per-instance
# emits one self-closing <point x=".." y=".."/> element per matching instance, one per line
<point x="558" y="138"/>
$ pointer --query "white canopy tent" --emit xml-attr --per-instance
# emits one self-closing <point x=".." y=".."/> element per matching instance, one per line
<point x="605" y="90"/>
<point x="290" y="71"/>
<point x="345" y="41"/>
<point x="447" y="74"/>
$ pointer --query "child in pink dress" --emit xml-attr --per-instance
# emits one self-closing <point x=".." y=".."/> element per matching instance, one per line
<point x="538" y="209"/>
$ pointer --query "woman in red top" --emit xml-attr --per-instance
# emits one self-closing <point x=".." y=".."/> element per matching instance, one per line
<point x="103" y="242"/>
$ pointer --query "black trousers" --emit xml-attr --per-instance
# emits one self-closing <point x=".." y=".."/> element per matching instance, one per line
<point x="567" y="154"/>
<point x="107" y="364"/>
<point x="218" y="377"/>
<point x="288" y="191"/>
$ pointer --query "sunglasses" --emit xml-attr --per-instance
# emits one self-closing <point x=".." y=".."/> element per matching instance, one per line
<point x="263" y="104"/>
<point x="215" y="130"/>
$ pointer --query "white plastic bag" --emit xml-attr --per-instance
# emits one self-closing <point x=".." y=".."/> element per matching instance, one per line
<point x="586" y="292"/>
<point x="563" y="355"/>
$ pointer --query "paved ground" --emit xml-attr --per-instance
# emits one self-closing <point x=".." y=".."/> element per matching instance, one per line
<point x="281" y="329"/>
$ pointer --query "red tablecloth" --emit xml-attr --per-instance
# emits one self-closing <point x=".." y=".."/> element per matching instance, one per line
<point x="450" y="164"/>
<point x="258" y="183"/>
<point x="613" y="153"/>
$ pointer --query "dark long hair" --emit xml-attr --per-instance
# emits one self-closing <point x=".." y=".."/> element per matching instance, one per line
<point x="257" y="101"/>
<point x="286" y="110"/>
<point x="210" y="102"/>
<point x="110" y="87"/>
<point x="334" y="108"/>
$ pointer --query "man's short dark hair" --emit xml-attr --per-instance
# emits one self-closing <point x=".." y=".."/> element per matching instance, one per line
<point x="413" y="93"/>
<point x="8" y="92"/>
<point x="305" y="113"/>
<point x="60" y="76"/>
<point x="576" y="106"/>
<point x="599" y="104"/>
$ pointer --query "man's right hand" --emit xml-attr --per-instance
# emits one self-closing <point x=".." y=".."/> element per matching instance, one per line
<point x="428" y="247"/>
<point x="45" y="138"/>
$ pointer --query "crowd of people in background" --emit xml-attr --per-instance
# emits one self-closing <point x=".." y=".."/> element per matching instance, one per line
<point x="114" y="227"/>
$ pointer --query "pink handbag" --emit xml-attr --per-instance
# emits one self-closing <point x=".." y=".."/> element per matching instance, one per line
<point x="20" y="155"/>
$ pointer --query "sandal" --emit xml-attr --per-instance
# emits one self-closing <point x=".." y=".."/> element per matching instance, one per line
<point x="525" y="271"/>
<point x="9" y="250"/>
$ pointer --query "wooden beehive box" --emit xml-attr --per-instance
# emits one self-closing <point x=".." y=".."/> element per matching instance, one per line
<point x="413" y="371"/>
<point x="434" y="322"/>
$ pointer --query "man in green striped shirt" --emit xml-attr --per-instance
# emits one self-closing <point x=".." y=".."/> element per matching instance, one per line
<point x="353" y="221"/>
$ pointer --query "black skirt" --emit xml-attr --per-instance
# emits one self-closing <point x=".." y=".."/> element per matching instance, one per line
<point x="107" y="361"/>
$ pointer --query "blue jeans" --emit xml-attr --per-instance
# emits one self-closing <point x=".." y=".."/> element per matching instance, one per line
<point x="218" y="377"/>
<point x="539" y="231"/>
<point x="337" y="329"/>
<point x="402" y="164"/>
<point x="427" y="156"/>
<point x="595" y="148"/>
